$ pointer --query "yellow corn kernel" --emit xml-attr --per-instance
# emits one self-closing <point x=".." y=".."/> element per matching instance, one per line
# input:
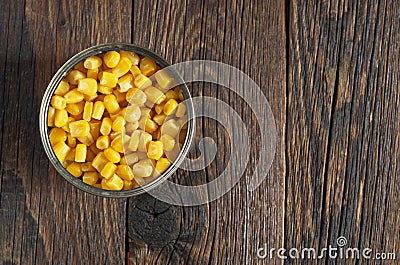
<point x="130" y="159"/>
<point x="130" y="93"/>
<point x="99" y="161"/>
<point x="57" y="135"/>
<point x="75" y="108"/>
<point x="114" y="183"/>
<point x="141" y="81"/>
<point x="116" y="144"/>
<point x="162" y="164"/>
<point x="133" y="113"/>
<point x="170" y="127"/>
<point x="127" y="185"/>
<point x="145" y="139"/>
<point x="134" y="140"/>
<point x="123" y="112"/>
<point x="71" y="141"/>
<point x="124" y="65"/>
<point x="103" y="142"/>
<point x="108" y="79"/>
<point x="75" y="169"/>
<point x="50" y="116"/>
<point x="87" y="111"/>
<point x="154" y="95"/>
<point x="168" y="142"/>
<point x="155" y="150"/>
<point x="164" y="80"/>
<point x="61" y="150"/>
<point x="125" y="83"/>
<point x="92" y="62"/>
<point x="87" y="86"/>
<point x="130" y="127"/>
<point x="135" y="70"/>
<point x="142" y="123"/>
<point x="62" y="88"/>
<point x="136" y="96"/>
<point x="143" y="168"/>
<point x="104" y="89"/>
<point x="111" y="58"/>
<point x="151" y="126"/>
<point x="114" y="134"/>
<point x="125" y="172"/>
<point x="87" y="140"/>
<point x="79" y="128"/>
<point x="146" y="113"/>
<point x="93" y="73"/>
<point x="66" y="126"/>
<point x="98" y="110"/>
<point x="90" y="178"/>
<point x="147" y="66"/>
<point x="119" y="96"/>
<point x="170" y="94"/>
<point x="133" y="57"/>
<point x="112" y="155"/>
<point x="60" y="118"/>
<point x="103" y="184"/>
<point x="108" y="170"/>
<point x="118" y="124"/>
<point x="125" y="141"/>
<point x="58" y="102"/>
<point x="87" y="167"/>
<point x="74" y="76"/>
<point x="71" y="156"/>
<point x="111" y="104"/>
<point x="170" y="106"/>
<point x="181" y="110"/>
<point x="159" y="118"/>
<point x="73" y="96"/>
<point x="95" y="128"/>
<point x="79" y="66"/>
<point x="80" y="153"/>
<point x="159" y="108"/>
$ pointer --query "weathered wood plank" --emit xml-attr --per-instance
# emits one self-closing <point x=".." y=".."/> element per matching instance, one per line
<point x="342" y="126"/>
<point x="231" y="229"/>
<point x="45" y="220"/>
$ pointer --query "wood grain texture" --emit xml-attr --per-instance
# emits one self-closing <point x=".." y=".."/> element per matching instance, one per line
<point x="44" y="219"/>
<point x="231" y="229"/>
<point x="343" y="127"/>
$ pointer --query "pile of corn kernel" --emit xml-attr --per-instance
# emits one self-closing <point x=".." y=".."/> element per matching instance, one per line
<point x="113" y="126"/>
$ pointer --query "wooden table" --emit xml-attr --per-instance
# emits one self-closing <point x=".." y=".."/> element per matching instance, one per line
<point x="330" y="71"/>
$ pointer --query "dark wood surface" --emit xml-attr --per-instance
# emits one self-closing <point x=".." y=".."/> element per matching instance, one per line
<point x="330" y="71"/>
